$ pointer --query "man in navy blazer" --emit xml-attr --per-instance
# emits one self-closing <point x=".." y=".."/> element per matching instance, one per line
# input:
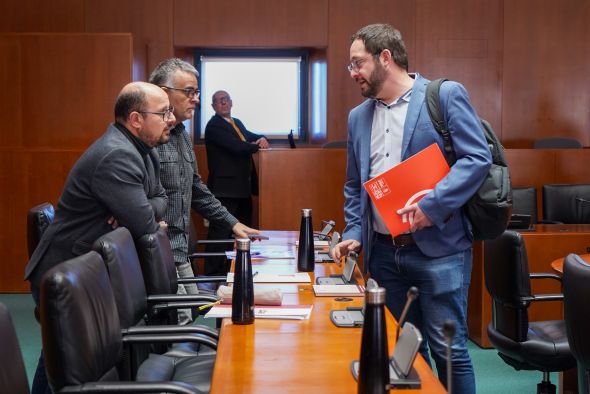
<point x="387" y="128"/>
<point x="232" y="175"/>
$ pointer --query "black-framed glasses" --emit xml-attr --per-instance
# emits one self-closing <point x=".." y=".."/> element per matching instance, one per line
<point x="166" y="115"/>
<point x="188" y="92"/>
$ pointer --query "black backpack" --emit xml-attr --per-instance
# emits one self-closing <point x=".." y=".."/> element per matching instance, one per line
<point x="491" y="206"/>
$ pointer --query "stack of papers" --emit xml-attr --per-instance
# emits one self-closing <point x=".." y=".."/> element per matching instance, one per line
<point x="298" y="277"/>
<point x="286" y="312"/>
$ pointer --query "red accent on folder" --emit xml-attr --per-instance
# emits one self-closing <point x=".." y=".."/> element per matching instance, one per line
<point x="406" y="184"/>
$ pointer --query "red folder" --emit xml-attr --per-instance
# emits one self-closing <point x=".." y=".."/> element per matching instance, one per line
<point x="406" y="184"/>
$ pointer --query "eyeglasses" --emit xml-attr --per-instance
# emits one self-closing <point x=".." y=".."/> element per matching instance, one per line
<point x="355" y="65"/>
<point x="166" y="115"/>
<point x="188" y="92"/>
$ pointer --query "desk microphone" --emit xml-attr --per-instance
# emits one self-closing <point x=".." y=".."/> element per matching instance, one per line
<point x="449" y="333"/>
<point x="411" y="296"/>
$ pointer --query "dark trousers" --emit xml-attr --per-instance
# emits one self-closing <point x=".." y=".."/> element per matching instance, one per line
<point x="241" y="208"/>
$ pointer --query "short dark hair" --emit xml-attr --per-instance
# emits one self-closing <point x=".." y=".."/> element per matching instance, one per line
<point x="163" y="71"/>
<point x="129" y="101"/>
<point x="380" y="36"/>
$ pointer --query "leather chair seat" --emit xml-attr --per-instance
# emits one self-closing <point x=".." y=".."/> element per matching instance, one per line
<point x="545" y="349"/>
<point x="196" y="371"/>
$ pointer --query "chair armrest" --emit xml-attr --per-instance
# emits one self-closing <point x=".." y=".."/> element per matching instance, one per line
<point x="544" y="297"/>
<point x="132" y="387"/>
<point x="188" y="329"/>
<point x="169" y="338"/>
<point x="544" y="275"/>
<point x="203" y="279"/>
<point x="202" y="255"/>
<point x="157" y="298"/>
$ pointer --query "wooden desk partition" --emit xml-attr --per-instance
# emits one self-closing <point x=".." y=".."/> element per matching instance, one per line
<point x="307" y="356"/>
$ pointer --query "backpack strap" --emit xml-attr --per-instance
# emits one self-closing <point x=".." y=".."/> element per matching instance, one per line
<point x="432" y="99"/>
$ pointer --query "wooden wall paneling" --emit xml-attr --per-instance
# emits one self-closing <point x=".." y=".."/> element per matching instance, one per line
<point x="292" y="179"/>
<point x="251" y="23"/>
<point x="78" y="77"/>
<point x="149" y="21"/>
<point x="345" y="18"/>
<point x="21" y="16"/>
<point x="462" y="40"/>
<point x="10" y="99"/>
<point x="572" y="165"/>
<point x="546" y="79"/>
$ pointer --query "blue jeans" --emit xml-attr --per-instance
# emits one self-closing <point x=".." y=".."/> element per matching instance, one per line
<point x="443" y="285"/>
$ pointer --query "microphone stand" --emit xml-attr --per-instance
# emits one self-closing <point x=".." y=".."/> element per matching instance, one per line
<point x="449" y="333"/>
<point x="410" y="296"/>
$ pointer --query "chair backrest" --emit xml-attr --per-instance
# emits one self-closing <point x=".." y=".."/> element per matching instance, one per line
<point x="524" y="202"/>
<point x="557" y="143"/>
<point x="120" y="257"/>
<point x="38" y="219"/>
<point x="567" y="203"/>
<point x="13" y="378"/>
<point x="157" y="263"/>
<point x="79" y="323"/>
<point x="576" y="294"/>
<point x="506" y="272"/>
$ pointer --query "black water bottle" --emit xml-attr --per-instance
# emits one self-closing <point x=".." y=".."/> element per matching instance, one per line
<point x="242" y="305"/>
<point x="373" y="375"/>
<point x="305" y="253"/>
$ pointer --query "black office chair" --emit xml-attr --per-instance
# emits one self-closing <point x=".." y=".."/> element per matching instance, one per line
<point x="83" y="340"/>
<point x="136" y="308"/>
<point x="567" y="203"/>
<point x="38" y="219"/>
<point x="13" y="378"/>
<point x="576" y="292"/>
<point x="557" y="143"/>
<point x="524" y="202"/>
<point x="540" y="345"/>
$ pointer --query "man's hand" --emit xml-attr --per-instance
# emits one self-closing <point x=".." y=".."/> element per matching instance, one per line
<point x="113" y="222"/>
<point x="262" y="143"/>
<point x="418" y="219"/>
<point x="241" y="230"/>
<point x="343" y="248"/>
<point x="163" y="225"/>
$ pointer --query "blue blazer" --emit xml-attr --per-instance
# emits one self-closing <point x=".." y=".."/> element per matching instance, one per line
<point x="451" y="230"/>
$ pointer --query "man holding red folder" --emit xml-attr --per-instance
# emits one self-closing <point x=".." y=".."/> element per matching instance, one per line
<point x="435" y="256"/>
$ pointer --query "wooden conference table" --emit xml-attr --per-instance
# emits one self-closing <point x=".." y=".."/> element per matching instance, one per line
<point x="272" y="356"/>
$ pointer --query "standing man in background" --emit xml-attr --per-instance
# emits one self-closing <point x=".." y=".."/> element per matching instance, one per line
<point x="179" y="174"/>
<point x="232" y="174"/>
<point x="387" y="128"/>
<point x="115" y="182"/>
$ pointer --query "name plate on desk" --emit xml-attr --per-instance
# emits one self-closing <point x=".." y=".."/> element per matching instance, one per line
<point x="285" y="312"/>
<point x="298" y="277"/>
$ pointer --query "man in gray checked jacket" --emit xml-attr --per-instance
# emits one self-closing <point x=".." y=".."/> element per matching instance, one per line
<point x="179" y="174"/>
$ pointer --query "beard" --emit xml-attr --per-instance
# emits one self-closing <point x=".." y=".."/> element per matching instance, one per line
<point x="375" y="81"/>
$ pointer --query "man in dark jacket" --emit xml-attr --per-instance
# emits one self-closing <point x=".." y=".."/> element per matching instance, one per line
<point x="232" y="175"/>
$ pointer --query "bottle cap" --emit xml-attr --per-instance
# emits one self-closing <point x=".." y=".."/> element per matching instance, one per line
<point x="243" y="244"/>
<point x="375" y="296"/>
<point x="306" y="212"/>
